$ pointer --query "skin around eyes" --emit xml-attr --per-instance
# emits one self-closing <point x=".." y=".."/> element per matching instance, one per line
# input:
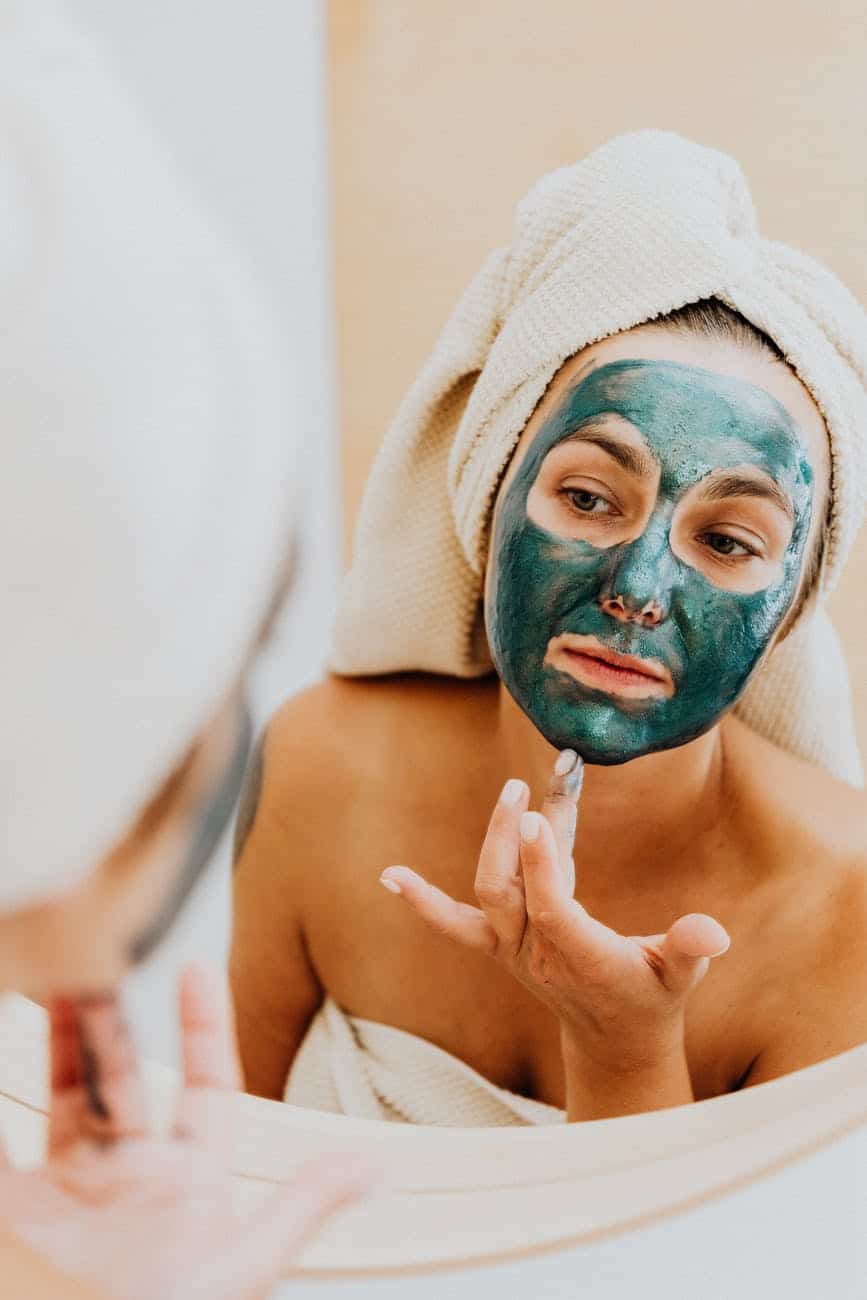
<point x="655" y="568"/>
<point x="571" y="468"/>
<point x="739" y="544"/>
<point x="738" y="541"/>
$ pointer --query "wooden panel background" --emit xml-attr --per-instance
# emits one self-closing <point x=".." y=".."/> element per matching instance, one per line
<point x="443" y="113"/>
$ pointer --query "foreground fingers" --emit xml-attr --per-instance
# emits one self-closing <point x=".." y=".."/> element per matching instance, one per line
<point x="109" y="1084"/>
<point x="277" y="1230"/>
<point x="688" y="948"/>
<point x="210" y="1063"/>
<point x="467" y="925"/>
<point x="64" y="1115"/>
<point x="299" y="1209"/>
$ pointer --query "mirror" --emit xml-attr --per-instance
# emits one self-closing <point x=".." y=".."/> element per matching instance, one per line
<point x="349" y="1002"/>
<point x="411" y="1017"/>
<point x="551" y="1206"/>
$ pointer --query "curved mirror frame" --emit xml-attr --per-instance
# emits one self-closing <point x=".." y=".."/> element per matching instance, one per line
<point x="465" y="1197"/>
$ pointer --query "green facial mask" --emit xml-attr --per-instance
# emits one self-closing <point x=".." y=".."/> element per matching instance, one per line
<point x="694" y="421"/>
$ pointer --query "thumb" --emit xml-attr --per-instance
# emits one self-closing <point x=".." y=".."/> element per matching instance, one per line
<point x="263" y="1247"/>
<point x="687" y="949"/>
<point x="294" y="1214"/>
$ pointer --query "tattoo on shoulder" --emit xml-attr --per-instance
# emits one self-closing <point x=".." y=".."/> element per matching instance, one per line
<point x="249" y="802"/>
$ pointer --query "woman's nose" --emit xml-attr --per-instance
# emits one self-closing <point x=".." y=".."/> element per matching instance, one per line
<point x="638" y="586"/>
<point x="650" y="613"/>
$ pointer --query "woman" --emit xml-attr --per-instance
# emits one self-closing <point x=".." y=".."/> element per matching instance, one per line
<point x="627" y="508"/>
<point x="134" y="605"/>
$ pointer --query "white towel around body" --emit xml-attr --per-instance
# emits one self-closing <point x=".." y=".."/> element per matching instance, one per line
<point x="369" y="1070"/>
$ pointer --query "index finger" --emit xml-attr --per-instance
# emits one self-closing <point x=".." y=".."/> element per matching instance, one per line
<point x="65" y="1075"/>
<point x="112" y="1102"/>
<point x="210" y="1061"/>
<point x="560" y="809"/>
<point x="275" y="1232"/>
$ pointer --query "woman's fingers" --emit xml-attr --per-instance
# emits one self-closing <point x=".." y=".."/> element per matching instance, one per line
<point x="560" y="809"/>
<point x="112" y="1098"/>
<point x="210" y="1063"/>
<point x="687" y="949"/>
<point x="499" y="885"/>
<point x="207" y="1040"/>
<point x="468" y="925"/>
<point x="276" y="1231"/>
<point x="551" y="909"/>
<point x="545" y="884"/>
<point x="64" y="1112"/>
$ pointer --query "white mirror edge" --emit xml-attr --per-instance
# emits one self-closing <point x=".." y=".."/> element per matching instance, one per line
<point x="465" y="1197"/>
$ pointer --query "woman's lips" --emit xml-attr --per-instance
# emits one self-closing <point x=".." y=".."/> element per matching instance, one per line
<point x="594" y="664"/>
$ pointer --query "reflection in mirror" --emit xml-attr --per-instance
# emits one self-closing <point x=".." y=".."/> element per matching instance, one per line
<point x="571" y="833"/>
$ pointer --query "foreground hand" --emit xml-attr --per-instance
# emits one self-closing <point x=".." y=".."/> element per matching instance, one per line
<point x="146" y="1218"/>
<point x="620" y="999"/>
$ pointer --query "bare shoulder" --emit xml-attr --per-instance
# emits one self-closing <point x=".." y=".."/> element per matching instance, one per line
<point x="810" y="836"/>
<point x="810" y="954"/>
<point x="353" y="735"/>
<point x="339" y="758"/>
<point x="799" y="808"/>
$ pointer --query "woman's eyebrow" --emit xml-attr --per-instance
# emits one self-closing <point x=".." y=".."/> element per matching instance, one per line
<point x="635" y="460"/>
<point x="745" y="485"/>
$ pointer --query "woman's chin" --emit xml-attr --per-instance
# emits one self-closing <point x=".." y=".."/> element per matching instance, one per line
<point x="607" y="731"/>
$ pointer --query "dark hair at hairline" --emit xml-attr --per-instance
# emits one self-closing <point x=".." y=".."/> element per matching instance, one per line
<point x="711" y="318"/>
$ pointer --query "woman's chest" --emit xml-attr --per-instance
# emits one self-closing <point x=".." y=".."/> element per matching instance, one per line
<point x="468" y="1005"/>
<point x="380" y="962"/>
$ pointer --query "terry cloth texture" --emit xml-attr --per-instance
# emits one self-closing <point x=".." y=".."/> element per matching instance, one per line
<point x="146" y="459"/>
<point x="645" y="224"/>
<point x="373" y="1071"/>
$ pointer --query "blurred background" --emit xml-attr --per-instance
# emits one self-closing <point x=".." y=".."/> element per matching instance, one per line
<point x="367" y="154"/>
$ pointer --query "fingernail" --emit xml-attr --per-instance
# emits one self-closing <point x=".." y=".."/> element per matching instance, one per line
<point x="530" y="824"/>
<point x="565" y="762"/>
<point x="512" y="791"/>
<point x="389" y="883"/>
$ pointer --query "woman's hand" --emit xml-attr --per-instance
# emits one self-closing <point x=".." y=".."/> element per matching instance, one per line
<point x="144" y="1218"/>
<point x="620" y="1000"/>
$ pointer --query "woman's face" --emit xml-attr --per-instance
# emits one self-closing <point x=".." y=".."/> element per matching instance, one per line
<point x="649" y="539"/>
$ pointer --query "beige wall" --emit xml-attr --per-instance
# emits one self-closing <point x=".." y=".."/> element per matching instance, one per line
<point x="445" y="111"/>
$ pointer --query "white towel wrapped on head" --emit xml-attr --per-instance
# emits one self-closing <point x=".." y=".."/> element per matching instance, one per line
<point x="645" y="224"/>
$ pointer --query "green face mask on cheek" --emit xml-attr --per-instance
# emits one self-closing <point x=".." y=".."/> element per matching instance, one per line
<point x="709" y="639"/>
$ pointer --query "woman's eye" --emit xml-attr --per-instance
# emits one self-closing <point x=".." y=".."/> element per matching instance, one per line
<point x="588" y="503"/>
<point x="722" y="544"/>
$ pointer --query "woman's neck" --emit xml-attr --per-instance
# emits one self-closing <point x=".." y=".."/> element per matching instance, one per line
<point x="636" y="821"/>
